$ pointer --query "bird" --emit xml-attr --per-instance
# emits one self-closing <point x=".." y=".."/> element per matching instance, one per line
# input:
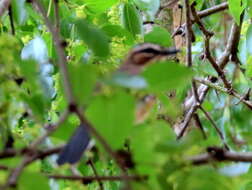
<point x="144" y="54"/>
<point x="139" y="57"/>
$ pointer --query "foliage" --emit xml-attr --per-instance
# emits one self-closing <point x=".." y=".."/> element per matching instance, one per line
<point x="96" y="36"/>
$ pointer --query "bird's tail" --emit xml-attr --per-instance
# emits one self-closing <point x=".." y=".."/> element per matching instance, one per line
<point x="74" y="149"/>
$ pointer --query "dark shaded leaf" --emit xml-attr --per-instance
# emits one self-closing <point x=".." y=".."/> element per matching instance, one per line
<point x="131" y="19"/>
<point x="118" y="31"/>
<point x="83" y="79"/>
<point x="95" y="39"/>
<point x="19" y="11"/>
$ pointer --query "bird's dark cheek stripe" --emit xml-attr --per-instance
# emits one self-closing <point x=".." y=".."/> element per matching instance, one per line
<point x="150" y="51"/>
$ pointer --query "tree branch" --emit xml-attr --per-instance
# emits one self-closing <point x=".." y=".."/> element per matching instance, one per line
<point x="68" y="88"/>
<point x="51" y="128"/>
<point x="224" y="90"/>
<point x="188" y="33"/>
<point x="90" y="162"/>
<point x="204" y="13"/>
<point x="30" y="156"/>
<point x="62" y="61"/>
<point x="207" y="36"/>
<point x="213" y="10"/>
<point x="191" y="103"/>
<point x="214" y="125"/>
<point x="216" y="154"/>
<point x="101" y="178"/>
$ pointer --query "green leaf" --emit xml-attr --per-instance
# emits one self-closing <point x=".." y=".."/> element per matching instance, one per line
<point x="249" y="67"/>
<point x="249" y="39"/>
<point x="113" y="117"/>
<point x="33" y="180"/>
<point x="37" y="103"/>
<point x="145" y="141"/>
<point x="150" y="7"/>
<point x="19" y="11"/>
<point x="9" y="50"/>
<point x="131" y="19"/>
<point x="95" y="39"/>
<point x="99" y="6"/>
<point x="83" y="79"/>
<point x="248" y="186"/>
<point x="66" y="28"/>
<point x="29" y="70"/>
<point x="166" y="75"/>
<point x="235" y="8"/>
<point x="209" y="179"/>
<point x="118" y="31"/>
<point x="199" y="4"/>
<point x="67" y="128"/>
<point x="249" y="6"/>
<point x="10" y="162"/>
<point x="159" y="36"/>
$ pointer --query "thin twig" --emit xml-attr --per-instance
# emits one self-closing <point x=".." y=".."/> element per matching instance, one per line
<point x="68" y="88"/>
<point x="226" y="91"/>
<point x="208" y="35"/>
<point x="205" y="13"/>
<point x="246" y="96"/>
<point x="51" y="128"/>
<point x="199" y="125"/>
<point x="195" y="93"/>
<point x="102" y="178"/>
<point x="62" y="65"/>
<point x="62" y="61"/>
<point x="29" y="158"/>
<point x="199" y="22"/>
<point x="214" y="125"/>
<point x="188" y="33"/>
<point x="232" y="44"/>
<point x="40" y="154"/>
<point x="214" y="64"/>
<point x="11" y="20"/>
<point x="90" y="162"/>
<point x="203" y="89"/>
<point x="9" y="153"/>
<point x="104" y="143"/>
<point x="221" y="155"/>
<point x="2" y="167"/>
<point x="57" y="17"/>
<point x="14" y="175"/>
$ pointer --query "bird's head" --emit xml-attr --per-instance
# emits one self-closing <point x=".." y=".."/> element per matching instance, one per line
<point x="143" y="54"/>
